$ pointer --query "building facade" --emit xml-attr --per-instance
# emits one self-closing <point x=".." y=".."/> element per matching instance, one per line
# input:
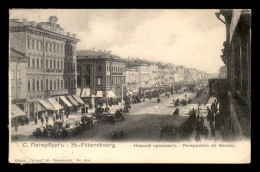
<point x="17" y="78"/>
<point x="51" y="68"/>
<point x="237" y="58"/>
<point x="101" y="72"/>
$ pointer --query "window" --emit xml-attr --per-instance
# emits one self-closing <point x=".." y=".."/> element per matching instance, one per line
<point x="29" y="63"/>
<point x="47" y="64"/>
<point x="33" y="86"/>
<point x="54" y="64"/>
<point x="37" y="45"/>
<point x="50" y="63"/>
<point x="61" y="49"/>
<point x="99" y="81"/>
<point x="41" y="85"/>
<point x="61" y="65"/>
<point x="54" y="48"/>
<point x="46" y="87"/>
<point x="58" y="84"/>
<point x="46" y="47"/>
<point x="37" y="85"/>
<point x="50" y="47"/>
<point x="70" y="65"/>
<point x="58" y="64"/>
<point x="28" y="43"/>
<point x="42" y="63"/>
<point x="58" y="48"/>
<point x="65" y="84"/>
<point x="33" y="63"/>
<point x="41" y="46"/>
<point x="71" y="83"/>
<point x="61" y="84"/>
<point x="74" y="66"/>
<point x="54" y="85"/>
<point x="50" y="84"/>
<point x="18" y="75"/>
<point x="32" y="44"/>
<point x="37" y="63"/>
<point x="74" y="83"/>
<point x="99" y="68"/>
<point x="29" y="84"/>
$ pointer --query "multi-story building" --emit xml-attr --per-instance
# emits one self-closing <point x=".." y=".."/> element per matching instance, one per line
<point x="223" y="72"/>
<point x="154" y="76"/>
<point x="145" y="75"/>
<point x="100" y="74"/>
<point x="235" y="95"/>
<point x="51" y="69"/>
<point x="17" y="81"/>
<point x="132" y="78"/>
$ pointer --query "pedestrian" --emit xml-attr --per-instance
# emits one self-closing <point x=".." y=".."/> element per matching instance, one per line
<point x="86" y="109"/>
<point x="35" y="120"/>
<point x="16" y="128"/>
<point x="47" y="119"/>
<point x="197" y="137"/>
<point x="82" y="110"/>
<point x="75" y="109"/>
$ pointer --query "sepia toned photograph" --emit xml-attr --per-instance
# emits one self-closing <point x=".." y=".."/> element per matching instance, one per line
<point x="129" y="85"/>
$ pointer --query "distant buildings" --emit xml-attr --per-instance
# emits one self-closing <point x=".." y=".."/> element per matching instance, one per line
<point x="223" y="72"/>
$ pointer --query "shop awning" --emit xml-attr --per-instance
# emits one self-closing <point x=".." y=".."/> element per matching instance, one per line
<point x="85" y="92"/>
<point x="72" y="101"/>
<point x="16" y="111"/>
<point x="99" y="94"/>
<point x="66" y="101"/>
<point x="78" y="99"/>
<point x="55" y="104"/>
<point x="40" y="108"/>
<point x="46" y="105"/>
<point x="78" y="91"/>
<point x="110" y="94"/>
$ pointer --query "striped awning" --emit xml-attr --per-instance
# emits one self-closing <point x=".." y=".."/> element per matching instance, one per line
<point x="55" y="104"/>
<point x="110" y="94"/>
<point x="72" y="101"/>
<point x="46" y="105"/>
<point x="66" y="101"/>
<point x="78" y="99"/>
<point x="16" y="111"/>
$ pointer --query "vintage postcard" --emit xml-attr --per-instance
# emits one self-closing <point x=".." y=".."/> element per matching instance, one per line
<point x="129" y="86"/>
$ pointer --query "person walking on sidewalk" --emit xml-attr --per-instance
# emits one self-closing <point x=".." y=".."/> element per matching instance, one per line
<point x="83" y="110"/>
<point x="42" y="120"/>
<point x="86" y="109"/>
<point x="35" y="120"/>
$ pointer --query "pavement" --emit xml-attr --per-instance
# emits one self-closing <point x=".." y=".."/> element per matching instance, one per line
<point x="144" y="120"/>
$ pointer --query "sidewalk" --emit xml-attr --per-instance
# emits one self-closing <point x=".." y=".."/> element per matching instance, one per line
<point x="217" y="137"/>
<point x="28" y="130"/>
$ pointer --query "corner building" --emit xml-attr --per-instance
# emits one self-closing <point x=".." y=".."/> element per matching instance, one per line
<point x="51" y="68"/>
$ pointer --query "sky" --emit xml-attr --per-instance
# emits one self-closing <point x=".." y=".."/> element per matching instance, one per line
<point x="192" y="38"/>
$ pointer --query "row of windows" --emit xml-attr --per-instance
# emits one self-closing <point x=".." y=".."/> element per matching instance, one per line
<point x="116" y="80"/>
<point x="39" y="64"/>
<point x="50" y="84"/>
<point x="38" y="45"/>
<point x="115" y="69"/>
<point x="70" y="66"/>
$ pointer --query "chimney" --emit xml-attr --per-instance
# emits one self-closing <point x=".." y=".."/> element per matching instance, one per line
<point x="68" y="34"/>
<point x="24" y="21"/>
<point x="33" y="23"/>
<point x="74" y="35"/>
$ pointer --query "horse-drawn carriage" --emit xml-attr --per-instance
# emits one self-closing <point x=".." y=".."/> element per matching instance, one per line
<point x="101" y="114"/>
<point x="183" y="102"/>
